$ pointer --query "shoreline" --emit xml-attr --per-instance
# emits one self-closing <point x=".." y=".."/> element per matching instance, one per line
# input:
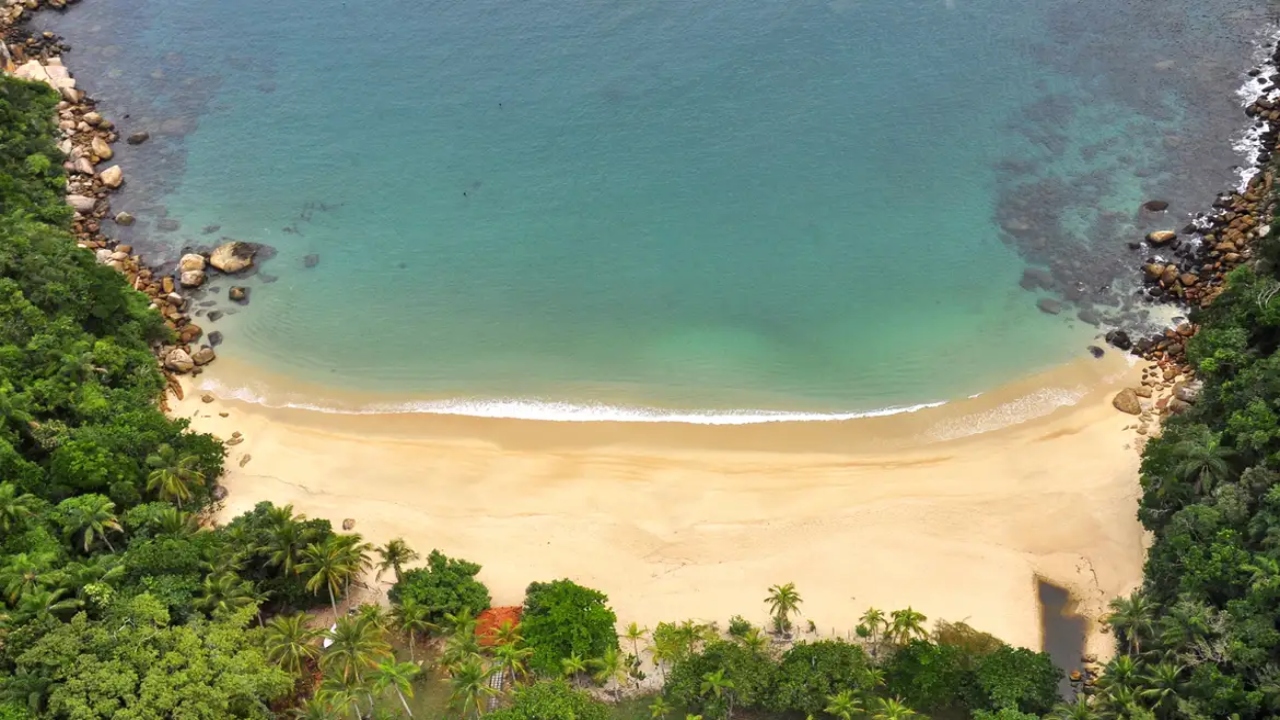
<point x="675" y="521"/>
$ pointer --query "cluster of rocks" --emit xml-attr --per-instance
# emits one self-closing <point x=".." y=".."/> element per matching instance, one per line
<point x="1165" y="389"/>
<point x="86" y="139"/>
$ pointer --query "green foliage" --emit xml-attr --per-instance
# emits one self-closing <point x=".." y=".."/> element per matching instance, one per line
<point x="270" y="541"/>
<point x="1018" y="679"/>
<point x="563" y="618"/>
<point x="934" y="678"/>
<point x="551" y="700"/>
<point x="445" y="587"/>
<point x="750" y="673"/>
<point x="809" y="673"/>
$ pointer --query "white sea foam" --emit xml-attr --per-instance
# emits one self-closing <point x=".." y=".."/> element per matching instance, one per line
<point x="1249" y="143"/>
<point x="552" y="411"/>
<point x="1028" y="407"/>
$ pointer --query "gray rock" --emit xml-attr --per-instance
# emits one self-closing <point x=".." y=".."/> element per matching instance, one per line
<point x="232" y="257"/>
<point x="124" y="218"/>
<point x="138" y="138"/>
<point x="1188" y="392"/>
<point x="214" y="338"/>
<point x="1049" y="305"/>
<point x="81" y="203"/>
<point x="311" y="260"/>
<point x="204" y="356"/>
<point x="168" y="225"/>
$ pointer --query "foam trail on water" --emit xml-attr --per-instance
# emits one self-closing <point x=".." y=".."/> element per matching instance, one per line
<point x="1028" y="407"/>
<point x="551" y="411"/>
<point x="1249" y="143"/>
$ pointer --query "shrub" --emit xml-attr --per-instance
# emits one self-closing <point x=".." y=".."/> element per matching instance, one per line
<point x="563" y="618"/>
<point x="445" y="585"/>
<point x="811" y="672"/>
<point x="551" y="700"/>
<point x="752" y="673"/>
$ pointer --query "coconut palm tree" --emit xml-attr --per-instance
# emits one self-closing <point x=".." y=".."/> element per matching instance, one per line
<point x="290" y="643"/>
<point x="411" y="617"/>
<point x="1132" y="620"/>
<point x="892" y="709"/>
<point x="512" y="660"/>
<point x="394" y="556"/>
<point x="27" y="688"/>
<point x="716" y="685"/>
<point x="91" y="518"/>
<point x="1163" y="682"/>
<point x="471" y="688"/>
<point x="399" y="677"/>
<point x="462" y="622"/>
<point x="15" y="508"/>
<point x="77" y="576"/>
<point x="844" y="705"/>
<point x="635" y="634"/>
<point x="358" y="646"/>
<point x="316" y="709"/>
<point x="341" y="697"/>
<point x="173" y="477"/>
<point x="610" y="667"/>
<point x="326" y="566"/>
<point x="224" y="594"/>
<point x="1203" y="461"/>
<point x="172" y="521"/>
<point x="355" y="556"/>
<point x="1123" y="672"/>
<point x="573" y="666"/>
<point x="461" y="647"/>
<point x="872" y="627"/>
<point x="1081" y="709"/>
<point x="659" y="708"/>
<point x="287" y="539"/>
<point x="43" y="602"/>
<point x="783" y="601"/>
<point x="27" y="572"/>
<point x="906" y="624"/>
<point x="755" y="640"/>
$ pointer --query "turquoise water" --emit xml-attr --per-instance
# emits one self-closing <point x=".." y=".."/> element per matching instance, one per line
<point x="663" y="203"/>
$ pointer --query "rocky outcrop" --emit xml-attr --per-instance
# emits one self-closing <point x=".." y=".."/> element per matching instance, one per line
<point x="232" y="257"/>
<point x="179" y="361"/>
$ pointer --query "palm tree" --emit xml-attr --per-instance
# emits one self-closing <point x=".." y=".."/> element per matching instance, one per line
<point x="224" y="593"/>
<point x="340" y="696"/>
<point x="99" y="569"/>
<point x="461" y="647"/>
<point x="635" y="634"/>
<point x="461" y="622"/>
<point x="15" y="508"/>
<point x="754" y="640"/>
<point x="397" y="676"/>
<point x="286" y="541"/>
<point x="91" y="518"/>
<point x="507" y="633"/>
<point x="843" y="705"/>
<point x="610" y="667"/>
<point x="1163" y="682"/>
<point x="290" y="643"/>
<point x="783" y="600"/>
<point x="327" y="565"/>
<point x="172" y="477"/>
<point x="892" y="709"/>
<point x="1131" y="618"/>
<point x="1203" y="460"/>
<point x="1078" y="710"/>
<point x="28" y="689"/>
<point x="716" y="685"/>
<point x="172" y="521"/>
<point x="26" y="573"/>
<point x="42" y="603"/>
<point x="315" y="709"/>
<point x="659" y="708"/>
<point x="471" y="687"/>
<point x="394" y="556"/>
<point x="1122" y="672"/>
<point x="357" y="646"/>
<point x="355" y="555"/>
<point x="872" y="626"/>
<point x="411" y="617"/>
<point x="512" y="660"/>
<point x="573" y="666"/>
<point x="907" y="624"/>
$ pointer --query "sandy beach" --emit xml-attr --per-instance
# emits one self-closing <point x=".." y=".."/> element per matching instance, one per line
<point x="676" y="521"/>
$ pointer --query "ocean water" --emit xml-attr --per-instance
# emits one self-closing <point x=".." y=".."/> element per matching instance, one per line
<point x="681" y="208"/>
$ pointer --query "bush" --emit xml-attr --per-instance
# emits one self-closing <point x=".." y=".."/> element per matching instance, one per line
<point x="932" y="678"/>
<point x="1018" y="679"/>
<point x="739" y="626"/>
<point x="751" y="672"/>
<point x="445" y="585"/>
<point x="551" y="700"/>
<point x="563" y="618"/>
<point x="811" y="672"/>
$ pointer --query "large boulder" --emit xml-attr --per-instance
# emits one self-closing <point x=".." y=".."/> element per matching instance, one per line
<point x="232" y="257"/>
<point x="100" y="148"/>
<point x="204" y="356"/>
<point x="81" y="203"/>
<point x="179" y="361"/>
<point x="1127" y="401"/>
<point x="1161" y="237"/>
<point x="1188" y="392"/>
<point x="192" y="278"/>
<point x="191" y="261"/>
<point x="112" y="177"/>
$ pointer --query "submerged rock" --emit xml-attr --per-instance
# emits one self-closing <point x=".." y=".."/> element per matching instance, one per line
<point x="311" y="260"/>
<point x="1155" y="206"/>
<point x="204" y="356"/>
<point x="1049" y="306"/>
<point x="1119" y="339"/>
<point x="191" y="278"/>
<point x="168" y="225"/>
<point x="124" y="218"/>
<point x="1096" y="351"/>
<point x="238" y="294"/>
<point x="138" y="138"/>
<point x="215" y="338"/>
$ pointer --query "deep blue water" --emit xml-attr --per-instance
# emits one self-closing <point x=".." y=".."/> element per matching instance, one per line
<point x="800" y="206"/>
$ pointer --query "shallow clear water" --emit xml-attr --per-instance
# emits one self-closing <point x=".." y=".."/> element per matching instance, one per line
<point x="803" y="206"/>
